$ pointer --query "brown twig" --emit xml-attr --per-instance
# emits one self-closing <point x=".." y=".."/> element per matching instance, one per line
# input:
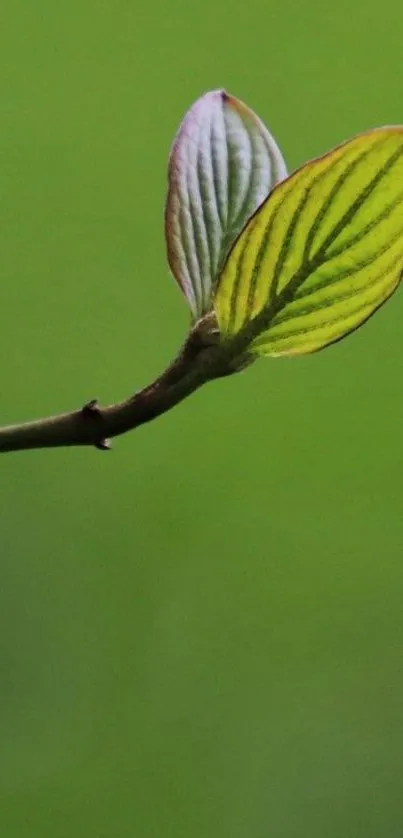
<point x="201" y="359"/>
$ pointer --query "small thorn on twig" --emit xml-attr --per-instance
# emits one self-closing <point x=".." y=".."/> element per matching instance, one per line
<point x="92" y="407"/>
<point x="103" y="445"/>
<point x="92" y="410"/>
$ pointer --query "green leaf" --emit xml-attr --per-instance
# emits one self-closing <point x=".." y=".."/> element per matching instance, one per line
<point x="222" y="165"/>
<point x="322" y="253"/>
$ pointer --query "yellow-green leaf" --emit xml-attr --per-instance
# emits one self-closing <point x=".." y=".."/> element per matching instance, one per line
<point x="322" y="253"/>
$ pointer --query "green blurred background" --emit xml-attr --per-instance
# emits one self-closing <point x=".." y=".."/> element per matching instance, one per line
<point x="200" y="633"/>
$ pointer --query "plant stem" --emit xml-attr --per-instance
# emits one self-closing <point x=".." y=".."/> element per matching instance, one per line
<point x="198" y="361"/>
